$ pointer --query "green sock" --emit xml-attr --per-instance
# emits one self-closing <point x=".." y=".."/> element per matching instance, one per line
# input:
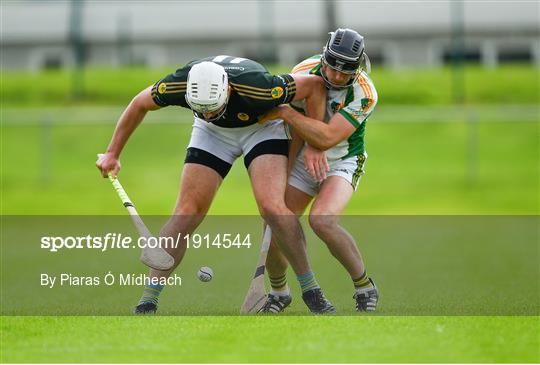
<point x="151" y="294"/>
<point x="362" y="282"/>
<point x="307" y="282"/>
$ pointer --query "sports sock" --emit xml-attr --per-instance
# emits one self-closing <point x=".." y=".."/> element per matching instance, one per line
<point x="151" y="294"/>
<point x="307" y="281"/>
<point x="279" y="285"/>
<point x="362" y="282"/>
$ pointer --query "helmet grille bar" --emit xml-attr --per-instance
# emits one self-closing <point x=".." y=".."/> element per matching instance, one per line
<point x="213" y="90"/>
<point x="339" y="37"/>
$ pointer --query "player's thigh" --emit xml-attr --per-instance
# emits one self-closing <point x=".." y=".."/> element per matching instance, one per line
<point x="337" y="189"/>
<point x="209" y="158"/>
<point x="333" y="197"/>
<point x="297" y="200"/>
<point x="198" y="187"/>
<point x="301" y="180"/>
<point x="268" y="175"/>
<point x="265" y="156"/>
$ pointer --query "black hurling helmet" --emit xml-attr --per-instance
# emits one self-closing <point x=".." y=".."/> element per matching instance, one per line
<point x="344" y="52"/>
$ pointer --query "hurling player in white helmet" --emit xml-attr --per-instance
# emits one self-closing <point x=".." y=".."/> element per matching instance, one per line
<point x="227" y="95"/>
<point x="207" y="90"/>
<point x="330" y="162"/>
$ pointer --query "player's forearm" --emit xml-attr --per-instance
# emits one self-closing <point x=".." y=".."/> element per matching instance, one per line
<point x="314" y="132"/>
<point x="128" y="122"/>
<point x="130" y="119"/>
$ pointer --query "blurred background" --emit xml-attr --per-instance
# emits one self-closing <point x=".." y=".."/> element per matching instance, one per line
<point x="39" y="35"/>
<point x="455" y="130"/>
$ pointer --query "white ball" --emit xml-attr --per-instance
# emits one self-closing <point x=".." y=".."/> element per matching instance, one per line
<point x="205" y="274"/>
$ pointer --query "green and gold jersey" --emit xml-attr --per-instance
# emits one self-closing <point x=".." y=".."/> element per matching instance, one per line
<point x="253" y="90"/>
<point x="355" y="103"/>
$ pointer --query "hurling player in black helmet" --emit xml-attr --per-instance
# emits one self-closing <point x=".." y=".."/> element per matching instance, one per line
<point x="342" y="58"/>
<point x="327" y="161"/>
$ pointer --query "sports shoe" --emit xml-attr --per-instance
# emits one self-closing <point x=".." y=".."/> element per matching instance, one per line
<point x="366" y="299"/>
<point x="317" y="302"/>
<point x="145" y="308"/>
<point x="276" y="303"/>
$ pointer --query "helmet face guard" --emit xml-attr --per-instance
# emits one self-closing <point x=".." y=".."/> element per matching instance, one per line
<point x="200" y="109"/>
<point x="207" y="90"/>
<point x="329" y="84"/>
<point x="339" y="63"/>
<point x="214" y="118"/>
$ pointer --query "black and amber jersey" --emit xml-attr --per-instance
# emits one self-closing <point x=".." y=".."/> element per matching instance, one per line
<point x="253" y="90"/>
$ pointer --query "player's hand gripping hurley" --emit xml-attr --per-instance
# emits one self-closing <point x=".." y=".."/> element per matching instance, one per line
<point x="156" y="258"/>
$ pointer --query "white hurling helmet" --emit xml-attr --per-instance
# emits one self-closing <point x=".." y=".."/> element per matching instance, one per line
<point x="207" y="89"/>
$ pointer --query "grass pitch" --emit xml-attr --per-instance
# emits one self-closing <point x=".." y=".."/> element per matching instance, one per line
<point x="425" y="173"/>
<point x="419" y="86"/>
<point x="453" y="167"/>
<point x="481" y="160"/>
<point x="265" y="340"/>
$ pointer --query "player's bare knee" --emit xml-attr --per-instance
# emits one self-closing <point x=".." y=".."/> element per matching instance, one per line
<point x="323" y="224"/>
<point x="281" y="220"/>
<point x="190" y="209"/>
<point x="271" y="210"/>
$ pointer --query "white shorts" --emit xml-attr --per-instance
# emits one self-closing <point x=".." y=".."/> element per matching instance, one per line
<point x="351" y="169"/>
<point x="219" y="147"/>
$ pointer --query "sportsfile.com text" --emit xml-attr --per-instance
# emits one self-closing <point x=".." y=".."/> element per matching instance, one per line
<point x="121" y="241"/>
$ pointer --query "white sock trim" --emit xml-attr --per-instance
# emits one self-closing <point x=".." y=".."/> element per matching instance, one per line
<point x="281" y="293"/>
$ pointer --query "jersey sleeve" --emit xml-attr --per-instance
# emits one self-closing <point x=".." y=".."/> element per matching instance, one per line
<point x="361" y="103"/>
<point x="171" y="90"/>
<point x="263" y="90"/>
<point x="288" y="85"/>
